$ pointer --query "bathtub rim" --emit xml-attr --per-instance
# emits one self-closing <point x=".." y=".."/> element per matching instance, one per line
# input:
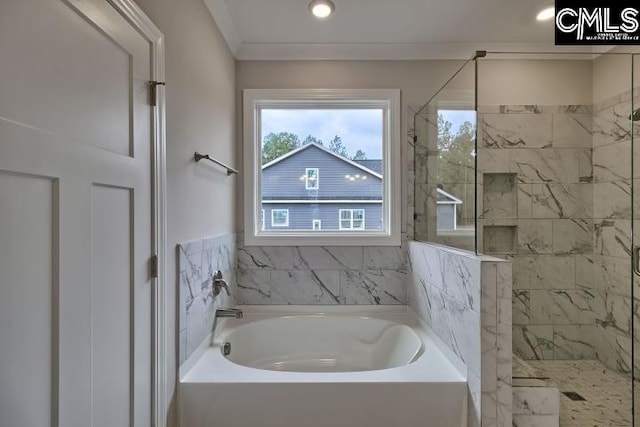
<point x="400" y="314"/>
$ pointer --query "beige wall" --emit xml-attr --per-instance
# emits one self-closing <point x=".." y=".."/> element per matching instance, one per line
<point x="611" y="76"/>
<point x="200" y="75"/>
<point x="535" y="81"/>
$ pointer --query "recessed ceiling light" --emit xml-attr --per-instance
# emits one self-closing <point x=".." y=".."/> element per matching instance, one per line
<point x="321" y="8"/>
<point x="546" y="13"/>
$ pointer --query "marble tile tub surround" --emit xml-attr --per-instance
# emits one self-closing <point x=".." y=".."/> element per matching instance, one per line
<point x="466" y="300"/>
<point x="197" y="261"/>
<point x="322" y="275"/>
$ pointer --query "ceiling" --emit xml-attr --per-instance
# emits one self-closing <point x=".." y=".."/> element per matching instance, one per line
<point x="381" y="29"/>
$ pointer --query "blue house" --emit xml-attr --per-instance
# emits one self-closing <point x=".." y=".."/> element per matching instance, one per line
<point x="313" y="188"/>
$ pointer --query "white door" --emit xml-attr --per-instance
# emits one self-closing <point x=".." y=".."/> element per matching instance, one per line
<point x="75" y="216"/>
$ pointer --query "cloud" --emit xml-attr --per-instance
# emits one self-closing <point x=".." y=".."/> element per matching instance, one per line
<point x="359" y="129"/>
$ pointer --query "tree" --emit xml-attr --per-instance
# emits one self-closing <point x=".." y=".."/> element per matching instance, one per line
<point x="337" y="146"/>
<point x="360" y="155"/>
<point x="310" y="138"/>
<point x="276" y="145"/>
<point x="456" y="164"/>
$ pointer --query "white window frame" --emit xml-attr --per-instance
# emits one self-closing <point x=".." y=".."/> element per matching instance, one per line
<point x="273" y="223"/>
<point x="313" y="224"/>
<point x="306" y="179"/>
<point x="254" y="100"/>
<point x="351" y="219"/>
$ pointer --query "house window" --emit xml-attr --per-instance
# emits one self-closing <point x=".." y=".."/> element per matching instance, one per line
<point x="280" y="218"/>
<point x="351" y="219"/>
<point x="311" y="179"/>
<point x="353" y="136"/>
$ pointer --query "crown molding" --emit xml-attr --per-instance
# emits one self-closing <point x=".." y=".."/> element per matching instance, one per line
<point x="220" y="13"/>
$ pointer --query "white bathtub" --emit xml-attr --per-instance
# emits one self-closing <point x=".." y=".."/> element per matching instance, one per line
<point x="318" y="366"/>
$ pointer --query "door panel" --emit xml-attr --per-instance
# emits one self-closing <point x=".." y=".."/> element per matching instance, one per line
<point x="111" y="213"/>
<point x="74" y="109"/>
<point x="26" y="298"/>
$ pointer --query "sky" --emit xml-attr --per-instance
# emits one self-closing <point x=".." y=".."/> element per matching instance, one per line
<point x="359" y="129"/>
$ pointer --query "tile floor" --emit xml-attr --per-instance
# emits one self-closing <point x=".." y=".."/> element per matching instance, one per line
<point x="607" y="393"/>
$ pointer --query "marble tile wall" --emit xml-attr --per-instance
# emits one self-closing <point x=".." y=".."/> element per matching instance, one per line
<point x="607" y="274"/>
<point x="322" y="275"/>
<point x="466" y="300"/>
<point x="548" y="150"/>
<point x="197" y="262"/>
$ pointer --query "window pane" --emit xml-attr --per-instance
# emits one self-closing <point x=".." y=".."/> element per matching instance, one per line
<point x="341" y="146"/>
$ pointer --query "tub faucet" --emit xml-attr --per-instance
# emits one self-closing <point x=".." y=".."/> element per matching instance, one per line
<point x="224" y="312"/>
<point x="219" y="283"/>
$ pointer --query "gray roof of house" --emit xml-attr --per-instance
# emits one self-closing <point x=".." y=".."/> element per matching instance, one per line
<point x="374" y="165"/>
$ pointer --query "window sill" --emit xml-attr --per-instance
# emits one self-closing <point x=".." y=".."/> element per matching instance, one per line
<point x="311" y="238"/>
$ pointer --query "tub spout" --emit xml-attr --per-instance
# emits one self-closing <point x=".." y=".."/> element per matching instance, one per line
<point x="229" y="312"/>
<point x="224" y="312"/>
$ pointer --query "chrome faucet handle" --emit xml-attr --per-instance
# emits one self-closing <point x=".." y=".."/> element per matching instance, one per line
<point x="219" y="284"/>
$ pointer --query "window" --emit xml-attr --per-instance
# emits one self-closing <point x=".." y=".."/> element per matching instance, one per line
<point x="353" y="136"/>
<point x="352" y="219"/>
<point x="280" y="218"/>
<point x="311" y="178"/>
<point x="262" y="218"/>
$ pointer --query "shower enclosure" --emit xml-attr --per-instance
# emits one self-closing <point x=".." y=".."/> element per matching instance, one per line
<point x="532" y="157"/>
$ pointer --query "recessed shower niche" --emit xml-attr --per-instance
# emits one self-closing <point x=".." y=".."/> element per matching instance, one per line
<point x="500" y="197"/>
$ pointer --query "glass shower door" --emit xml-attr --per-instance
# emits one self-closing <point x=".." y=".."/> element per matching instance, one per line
<point x="634" y="129"/>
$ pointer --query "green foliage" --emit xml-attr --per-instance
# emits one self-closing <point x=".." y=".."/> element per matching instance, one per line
<point x="337" y="146"/>
<point x="360" y="155"/>
<point x="310" y="138"/>
<point x="276" y="145"/>
<point x="456" y="165"/>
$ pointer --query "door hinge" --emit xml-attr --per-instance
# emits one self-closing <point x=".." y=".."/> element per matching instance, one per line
<point x="153" y="266"/>
<point x="153" y="86"/>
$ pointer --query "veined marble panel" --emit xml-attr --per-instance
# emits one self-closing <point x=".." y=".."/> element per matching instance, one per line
<point x="613" y="237"/>
<point x="533" y="342"/>
<point x="612" y="199"/>
<point x="516" y="130"/>
<point x="612" y="162"/>
<point x="572" y="236"/>
<point x="535" y="236"/>
<point x="305" y="287"/>
<point x="543" y="271"/>
<point x="536" y="401"/>
<point x="573" y="342"/>
<point x="572" y="130"/>
<point x="561" y="200"/>
<point x="565" y="307"/>
<point x="197" y="262"/>
<point x="373" y="286"/>
<point x="328" y="258"/>
<point x="548" y="165"/>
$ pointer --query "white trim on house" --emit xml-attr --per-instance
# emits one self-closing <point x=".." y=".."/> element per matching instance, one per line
<point x="316" y="182"/>
<point x="273" y="222"/>
<point x="351" y="227"/>
<point x="313" y="224"/>
<point x="453" y="200"/>
<point x="300" y="202"/>
<point x="326" y="150"/>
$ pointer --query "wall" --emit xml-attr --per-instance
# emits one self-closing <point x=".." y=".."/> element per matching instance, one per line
<point x="198" y="261"/>
<point x="322" y="275"/>
<point x="466" y="300"/>
<point x="200" y="75"/>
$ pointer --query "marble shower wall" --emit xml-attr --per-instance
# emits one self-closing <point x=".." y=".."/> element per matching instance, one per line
<point x="536" y="191"/>
<point x="197" y="262"/>
<point x="557" y="179"/>
<point x="608" y="272"/>
<point x="466" y="300"/>
<point x="322" y="275"/>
